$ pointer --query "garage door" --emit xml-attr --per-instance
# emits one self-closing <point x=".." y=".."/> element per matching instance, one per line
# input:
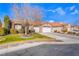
<point x="46" y="29"/>
<point x="36" y="29"/>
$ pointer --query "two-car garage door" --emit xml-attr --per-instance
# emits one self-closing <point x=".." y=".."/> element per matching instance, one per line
<point x="37" y="29"/>
<point x="46" y="29"/>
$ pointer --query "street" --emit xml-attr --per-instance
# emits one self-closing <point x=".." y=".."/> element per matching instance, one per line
<point x="48" y="50"/>
<point x="65" y="49"/>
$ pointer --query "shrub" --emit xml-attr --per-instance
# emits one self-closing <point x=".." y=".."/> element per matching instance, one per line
<point x="71" y="33"/>
<point x="77" y="34"/>
<point x="55" y="30"/>
<point x="2" y="31"/>
<point x="6" y="31"/>
<point x="64" y="31"/>
<point x="13" y="31"/>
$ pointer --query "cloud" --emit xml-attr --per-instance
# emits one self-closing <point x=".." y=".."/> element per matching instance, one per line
<point x="75" y="12"/>
<point x="60" y="11"/>
<point x="52" y="10"/>
<point x="51" y="21"/>
<point x="72" y="7"/>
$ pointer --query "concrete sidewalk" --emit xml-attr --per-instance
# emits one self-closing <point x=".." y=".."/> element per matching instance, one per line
<point x="29" y="45"/>
<point x="19" y="47"/>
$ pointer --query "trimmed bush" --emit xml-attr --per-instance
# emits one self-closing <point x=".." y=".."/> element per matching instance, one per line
<point x="55" y="31"/>
<point x="2" y="31"/>
<point x="73" y="33"/>
<point x="64" y="31"/>
<point x="13" y="31"/>
<point x="77" y="34"/>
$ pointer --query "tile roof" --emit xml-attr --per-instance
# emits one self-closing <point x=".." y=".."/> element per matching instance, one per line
<point x="38" y="23"/>
<point x="57" y="24"/>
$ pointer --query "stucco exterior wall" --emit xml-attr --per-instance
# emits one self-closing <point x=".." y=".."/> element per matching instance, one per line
<point x="57" y="28"/>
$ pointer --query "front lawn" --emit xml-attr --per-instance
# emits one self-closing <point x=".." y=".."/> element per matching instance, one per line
<point x="17" y="38"/>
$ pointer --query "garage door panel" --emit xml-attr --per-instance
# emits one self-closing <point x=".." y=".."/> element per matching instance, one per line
<point x="36" y="29"/>
<point x="46" y="29"/>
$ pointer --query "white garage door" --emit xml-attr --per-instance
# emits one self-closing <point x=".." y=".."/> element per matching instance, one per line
<point x="46" y="29"/>
<point x="36" y="29"/>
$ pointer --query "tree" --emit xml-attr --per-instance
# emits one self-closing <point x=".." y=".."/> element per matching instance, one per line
<point x="37" y="13"/>
<point x="0" y="24"/>
<point x="28" y="14"/>
<point x="32" y="14"/>
<point x="27" y="11"/>
<point x="7" y="23"/>
<point x="16" y="11"/>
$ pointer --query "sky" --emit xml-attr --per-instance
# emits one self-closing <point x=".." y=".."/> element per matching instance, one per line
<point x="52" y="12"/>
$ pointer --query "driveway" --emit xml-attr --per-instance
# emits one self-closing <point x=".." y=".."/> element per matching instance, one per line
<point x="48" y="50"/>
<point x="63" y="37"/>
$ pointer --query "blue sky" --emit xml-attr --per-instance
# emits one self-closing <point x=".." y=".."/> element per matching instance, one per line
<point x="53" y="12"/>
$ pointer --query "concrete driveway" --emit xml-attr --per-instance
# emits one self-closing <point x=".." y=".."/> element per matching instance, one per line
<point x="63" y="37"/>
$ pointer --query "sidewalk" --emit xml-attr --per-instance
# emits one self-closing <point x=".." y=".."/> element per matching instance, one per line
<point x="19" y="47"/>
<point x="29" y="45"/>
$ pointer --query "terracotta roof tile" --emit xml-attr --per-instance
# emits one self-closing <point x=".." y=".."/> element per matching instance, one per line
<point x="56" y="24"/>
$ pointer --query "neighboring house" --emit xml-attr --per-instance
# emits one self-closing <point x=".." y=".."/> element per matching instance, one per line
<point x="56" y="26"/>
<point x="75" y="27"/>
<point x="68" y="27"/>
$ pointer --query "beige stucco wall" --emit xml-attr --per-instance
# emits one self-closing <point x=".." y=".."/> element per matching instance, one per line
<point x="57" y="28"/>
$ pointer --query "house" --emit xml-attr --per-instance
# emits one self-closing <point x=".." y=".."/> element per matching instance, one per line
<point x="75" y="27"/>
<point x="57" y="26"/>
<point x="17" y="24"/>
<point x="39" y="26"/>
<point x="46" y="27"/>
<point x="42" y="26"/>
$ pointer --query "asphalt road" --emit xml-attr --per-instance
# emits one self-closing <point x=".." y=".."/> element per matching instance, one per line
<point x="48" y="50"/>
<point x="51" y="49"/>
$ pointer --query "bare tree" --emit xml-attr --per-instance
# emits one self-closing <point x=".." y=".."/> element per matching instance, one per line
<point x="28" y="13"/>
<point x="27" y="17"/>
<point x="37" y="13"/>
<point x="16" y="11"/>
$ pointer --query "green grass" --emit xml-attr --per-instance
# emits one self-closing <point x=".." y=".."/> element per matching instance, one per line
<point x="12" y="38"/>
<point x="17" y="37"/>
